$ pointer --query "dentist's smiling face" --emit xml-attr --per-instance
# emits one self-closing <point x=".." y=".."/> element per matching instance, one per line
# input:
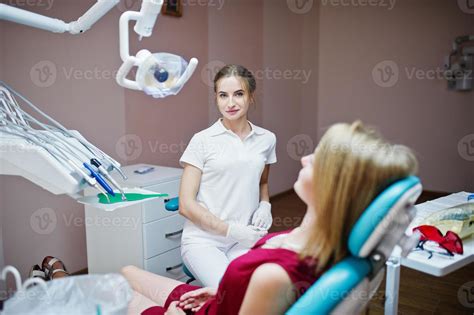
<point x="233" y="99"/>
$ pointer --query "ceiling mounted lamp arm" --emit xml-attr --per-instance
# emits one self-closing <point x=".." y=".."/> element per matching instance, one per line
<point x="128" y="61"/>
<point x="83" y="23"/>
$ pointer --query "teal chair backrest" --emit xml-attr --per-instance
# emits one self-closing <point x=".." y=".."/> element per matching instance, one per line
<point x="373" y="237"/>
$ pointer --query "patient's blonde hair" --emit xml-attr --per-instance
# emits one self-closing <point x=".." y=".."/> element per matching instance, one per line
<point x="352" y="164"/>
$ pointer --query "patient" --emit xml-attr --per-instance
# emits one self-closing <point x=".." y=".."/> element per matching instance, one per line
<point x="350" y="166"/>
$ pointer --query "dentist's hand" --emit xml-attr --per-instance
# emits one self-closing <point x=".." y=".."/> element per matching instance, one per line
<point x="262" y="217"/>
<point x="245" y="235"/>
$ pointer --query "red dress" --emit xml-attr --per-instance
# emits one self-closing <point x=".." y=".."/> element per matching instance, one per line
<point x="235" y="281"/>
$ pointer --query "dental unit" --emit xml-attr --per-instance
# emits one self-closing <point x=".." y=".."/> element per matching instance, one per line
<point x="72" y="161"/>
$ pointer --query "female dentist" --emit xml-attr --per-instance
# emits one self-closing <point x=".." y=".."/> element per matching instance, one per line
<point x="224" y="188"/>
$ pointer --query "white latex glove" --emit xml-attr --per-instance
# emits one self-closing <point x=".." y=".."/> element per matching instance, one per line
<point x="262" y="217"/>
<point x="245" y="235"/>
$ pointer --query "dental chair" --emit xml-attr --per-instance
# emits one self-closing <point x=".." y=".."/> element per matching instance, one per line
<point x="347" y="287"/>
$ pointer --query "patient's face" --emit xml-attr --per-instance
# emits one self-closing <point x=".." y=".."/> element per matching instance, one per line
<point x="304" y="184"/>
<point x="232" y="98"/>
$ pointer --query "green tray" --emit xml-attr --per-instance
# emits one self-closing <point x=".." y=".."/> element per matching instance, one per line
<point x="130" y="197"/>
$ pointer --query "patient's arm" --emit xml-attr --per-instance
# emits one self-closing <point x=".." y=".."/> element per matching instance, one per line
<point x="194" y="300"/>
<point x="270" y="291"/>
<point x="191" y="209"/>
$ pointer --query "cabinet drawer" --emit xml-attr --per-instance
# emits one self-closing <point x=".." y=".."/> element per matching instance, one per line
<point x="162" y="235"/>
<point x="155" y="209"/>
<point x="168" y="264"/>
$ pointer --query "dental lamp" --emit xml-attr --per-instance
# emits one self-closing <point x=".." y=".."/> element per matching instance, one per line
<point x="159" y="75"/>
<point x="459" y="64"/>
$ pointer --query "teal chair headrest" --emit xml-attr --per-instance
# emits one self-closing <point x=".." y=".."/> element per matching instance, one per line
<point x="398" y="194"/>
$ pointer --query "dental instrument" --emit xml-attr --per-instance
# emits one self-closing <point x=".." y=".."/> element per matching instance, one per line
<point x="55" y="158"/>
<point x="158" y="75"/>
<point x="104" y="172"/>
<point x="99" y="179"/>
<point x="90" y="180"/>
<point x="58" y="128"/>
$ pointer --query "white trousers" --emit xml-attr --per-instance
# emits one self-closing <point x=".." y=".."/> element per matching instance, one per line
<point x="208" y="263"/>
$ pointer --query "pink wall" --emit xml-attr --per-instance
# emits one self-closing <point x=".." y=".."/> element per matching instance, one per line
<point x="290" y="87"/>
<point x="236" y="37"/>
<point x="419" y="113"/>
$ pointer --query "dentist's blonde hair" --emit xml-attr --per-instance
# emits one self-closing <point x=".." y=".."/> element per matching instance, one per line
<point x="352" y="164"/>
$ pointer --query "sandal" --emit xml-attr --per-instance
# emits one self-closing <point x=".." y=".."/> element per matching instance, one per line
<point x="49" y="269"/>
<point x="37" y="272"/>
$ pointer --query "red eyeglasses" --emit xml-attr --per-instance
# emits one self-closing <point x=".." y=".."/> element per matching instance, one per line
<point x="451" y="242"/>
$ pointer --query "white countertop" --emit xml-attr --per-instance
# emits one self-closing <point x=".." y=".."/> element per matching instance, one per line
<point x="439" y="265"/>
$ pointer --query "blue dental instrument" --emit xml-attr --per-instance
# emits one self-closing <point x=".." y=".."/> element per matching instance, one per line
<point x="104" y="172"/>
<point x="99" y="179"/>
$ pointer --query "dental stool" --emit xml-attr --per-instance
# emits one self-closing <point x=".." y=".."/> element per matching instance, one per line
<point x="173" y="205"/>
<point x="348" y="286"/>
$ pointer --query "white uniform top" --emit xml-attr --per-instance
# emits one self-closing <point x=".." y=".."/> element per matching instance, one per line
<point x="231" y="171"/>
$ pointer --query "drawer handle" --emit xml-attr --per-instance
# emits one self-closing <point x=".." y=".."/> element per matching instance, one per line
<point x="174" y="267"/>
<point x="173" y="233"/>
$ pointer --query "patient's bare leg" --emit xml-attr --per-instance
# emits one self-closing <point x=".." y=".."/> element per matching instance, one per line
<point x="139" y="303"/>
<point x="154" y="287"/>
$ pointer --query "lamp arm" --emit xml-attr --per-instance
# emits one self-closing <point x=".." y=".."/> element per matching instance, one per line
<point x="123" y="32"/>
<point x="83" y="23"/>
